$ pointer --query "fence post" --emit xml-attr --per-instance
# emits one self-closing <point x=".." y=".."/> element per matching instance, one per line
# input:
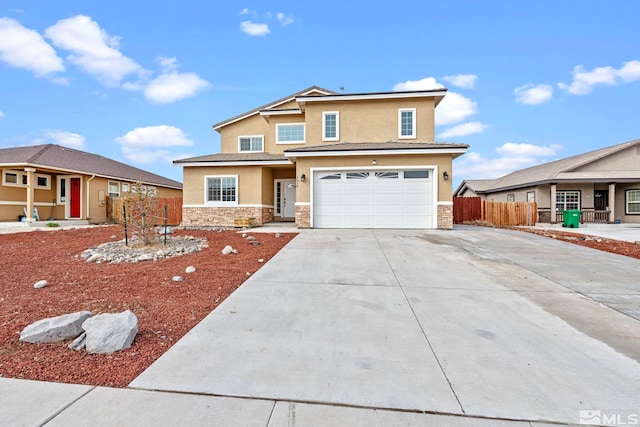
<point x="165" y="225"/>
<point x="124" y="214"/>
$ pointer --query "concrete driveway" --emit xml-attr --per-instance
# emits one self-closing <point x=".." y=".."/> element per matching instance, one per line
<point x="473" y="322"/>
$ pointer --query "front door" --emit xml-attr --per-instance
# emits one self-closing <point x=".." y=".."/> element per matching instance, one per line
<point x="74" y="198"/>
<point x="600" y="200"/>
<point x="289" y="199"/>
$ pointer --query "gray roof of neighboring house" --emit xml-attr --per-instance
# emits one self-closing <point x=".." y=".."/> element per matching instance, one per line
<point x="556" y="170"/>
<point x="234" y="157"/>
<point x="54" y="156"/>
<point x="475" y="185"/>
<point x="272" y="104"/>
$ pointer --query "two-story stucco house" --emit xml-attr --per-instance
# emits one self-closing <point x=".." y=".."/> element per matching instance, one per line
<point x="327" y="160"/>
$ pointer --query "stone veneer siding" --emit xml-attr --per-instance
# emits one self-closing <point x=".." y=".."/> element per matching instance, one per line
<point x="303" y="216"/>
<point x="224" y="216"/>
<point x="445" y="217"/>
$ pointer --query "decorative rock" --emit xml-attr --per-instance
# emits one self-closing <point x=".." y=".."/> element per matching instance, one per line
<point x="79" y="343"/>
<point x="95" y="257"/>
<point x="177" y="278"/>
<point x="161" y="230"/>
<point x="227" y="250"/>
<point x="251" y="238"/>
<point x="255" y="242"/>
<point x="244" y="235"/>
<point x="113" y="236"/>
<point x="40" y="284"/>
<point x="278" y="235"/>
<point x="235" y="251"/>
<point x="145" y="257"/>
<point x="109" y="332"/>
<point x="116" y="252"/>
<point x="190" y="269"/>
<point x="54" y="329"/>
<point x="260" y="260"/>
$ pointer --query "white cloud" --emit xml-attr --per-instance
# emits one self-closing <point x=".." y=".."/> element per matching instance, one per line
<point x="463" y="130"/>
<point x="245" y="11"/>
<point x="531" y="94"/>
<point x="454" y="108"/>
<point x="152" y="143"/>
<point x="1" y="114"/>
<point x="172" y="86"/>
<point x="584" y="81"/>
<point x="284" y="20"/>
<point x="512" y="157"/>
<point x="62" y="137"/>
<point x="253" y="29"/>
<point x="93" y="50"/>
<point x="466" y="81"/>
<point x="21" y="47"/>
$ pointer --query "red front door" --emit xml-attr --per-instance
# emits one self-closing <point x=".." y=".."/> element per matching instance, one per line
<point x="74" y="203"/>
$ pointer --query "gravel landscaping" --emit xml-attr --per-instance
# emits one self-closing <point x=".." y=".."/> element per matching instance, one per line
<point x="166" y="308"/>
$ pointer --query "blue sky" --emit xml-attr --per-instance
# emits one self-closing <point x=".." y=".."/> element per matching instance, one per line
<point x="143" y="81"/>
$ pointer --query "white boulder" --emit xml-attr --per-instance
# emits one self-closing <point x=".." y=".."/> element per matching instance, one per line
<point x="110" y="332"/>
<point x="54" y="329"/>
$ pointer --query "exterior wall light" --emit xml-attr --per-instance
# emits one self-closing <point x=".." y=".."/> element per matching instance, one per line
<point x="303" y="177"/>
<point x="445" y="175"/>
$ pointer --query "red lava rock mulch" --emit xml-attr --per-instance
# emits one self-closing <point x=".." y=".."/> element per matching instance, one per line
<point x="166" y="310"/>
<point x="601" y="243"/>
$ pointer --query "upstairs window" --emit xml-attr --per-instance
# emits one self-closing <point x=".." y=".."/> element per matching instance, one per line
<point x="252" y="143"/>
<point x="290" y="133"/>
<point x="406" y="123"/>
<point x="330" y="126"/>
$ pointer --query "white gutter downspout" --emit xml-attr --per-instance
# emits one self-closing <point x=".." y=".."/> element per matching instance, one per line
<point x="88" y="196"/>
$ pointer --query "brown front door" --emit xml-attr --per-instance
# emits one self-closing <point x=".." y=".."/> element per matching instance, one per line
<point x="600" y="200"/>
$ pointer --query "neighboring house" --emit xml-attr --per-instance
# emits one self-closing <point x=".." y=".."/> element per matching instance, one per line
<point x="67" y="184"/>
<point x="604" y="184"/>
<point x="327" y="160"/>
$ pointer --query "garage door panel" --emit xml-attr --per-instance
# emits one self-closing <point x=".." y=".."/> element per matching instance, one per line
<point x="373" y="199"/>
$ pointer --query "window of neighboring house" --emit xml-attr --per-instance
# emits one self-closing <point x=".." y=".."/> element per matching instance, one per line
<point x="290" y="133"/>
<point x="330" y="126"/>
<point x="19" y="179"/>
<point x="43" y="182"/>
<point x="531" y="196"/>
<point x="632" y="202"/>
<point x="567" y="200"/>
<point x="62" y="190"/>
<point x="511" y="197"/>
<point x="221" y="189"/>
<point x="10" y="178"/>
<point x="125" y="187"/>
<point x="114" y="189"/>
<point x="406" y="123"/>
<point x="253" y="143"/>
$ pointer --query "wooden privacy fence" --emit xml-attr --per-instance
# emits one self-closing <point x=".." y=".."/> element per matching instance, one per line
<point x="495" y="213"/>
<point x="174" y="210"/>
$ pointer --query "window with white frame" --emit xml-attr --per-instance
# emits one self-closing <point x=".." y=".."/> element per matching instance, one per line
<point x="11" y="178"/>
<point x="531" y="196"/>
<point x="221" y="189"/>
<point x="250" y="143"/>
<point x="290" y="133"/>
<point x="406" y="123"/>
<point x="632" y="202"/>
<point x="330" y="126"/>
<point x="511" y="197"/>
<point x="125" y="187"/>
<point x="114" y="189"/>
<point x="567" y="200"/>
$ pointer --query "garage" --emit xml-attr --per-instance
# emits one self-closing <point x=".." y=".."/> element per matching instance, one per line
<point x="373" y="199"/>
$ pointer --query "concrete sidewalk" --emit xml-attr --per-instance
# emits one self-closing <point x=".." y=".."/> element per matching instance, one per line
<point x="470" y="327"/>
<point x="625" y="232"/>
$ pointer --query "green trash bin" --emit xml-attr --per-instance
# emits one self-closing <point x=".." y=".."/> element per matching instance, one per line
<point x="571" y="219"/>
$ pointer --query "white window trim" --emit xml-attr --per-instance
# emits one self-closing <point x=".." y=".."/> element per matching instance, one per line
<point x="565" y="202"/>
<point x="109" y="188"/>
<point x="413" y="123"/>
<point x="21" y="174"/>
<point x="126" y="187"/>
<point x="304" y="129"/>
<point x="214" y="203"/>
<point x="626" y="202"/>
<point x="324" y="122"/>
<point x="250" y="136"/>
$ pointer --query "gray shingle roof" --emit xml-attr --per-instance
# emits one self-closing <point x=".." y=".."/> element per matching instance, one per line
<point x="234" y="157"/>
<point x="556" y="170"/>
<point x="57" y="157"/>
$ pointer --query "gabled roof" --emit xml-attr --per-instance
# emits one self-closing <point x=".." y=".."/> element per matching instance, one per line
<point x="273" y="105"/>
<point x="475" y="185"/>
<point x="52" y="156"/>
<point x="558" y="170"/>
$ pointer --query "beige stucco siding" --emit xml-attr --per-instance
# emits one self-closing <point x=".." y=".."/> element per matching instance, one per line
<point x="304" y="165"/>
<point x="255" y="125"/>
<point x="250" y="186"/>
<point x="369" y="121"/>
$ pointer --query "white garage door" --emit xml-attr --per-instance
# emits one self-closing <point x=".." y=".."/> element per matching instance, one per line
<point x="373" y="199"/>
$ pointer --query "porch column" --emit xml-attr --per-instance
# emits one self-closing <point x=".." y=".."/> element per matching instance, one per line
<point x="30" y="193"/>
<point x="553" y="203"/>
<point x="612" y="201"/>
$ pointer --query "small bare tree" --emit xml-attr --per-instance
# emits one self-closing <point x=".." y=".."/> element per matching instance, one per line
<point x="143" y="213"/>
